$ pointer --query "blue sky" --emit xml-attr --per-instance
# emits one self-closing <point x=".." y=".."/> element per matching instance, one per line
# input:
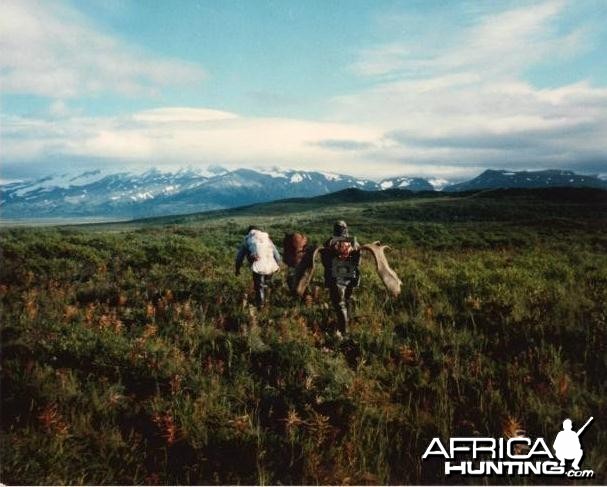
<point x="419" y="88"/>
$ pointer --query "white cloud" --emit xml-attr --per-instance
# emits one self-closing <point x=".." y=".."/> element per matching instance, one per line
<point x="496" y="45"/>
<point x="466" y="103"/>
<point x="177" y="136"/>
<point x="449" y="110"/>
<point x="182" y="114"/>
<point x="492" y="125"/>
<point x="50" y="50"/>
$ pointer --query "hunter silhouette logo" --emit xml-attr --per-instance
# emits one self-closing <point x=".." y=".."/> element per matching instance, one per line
<point x="567" y="444"/>
<point x="518" y="455"/>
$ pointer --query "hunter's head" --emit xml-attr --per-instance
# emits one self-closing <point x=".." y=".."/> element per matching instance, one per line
<point x="252" y="227"/>
<point x="340" y="229"/>
<point x="567" y="425"/>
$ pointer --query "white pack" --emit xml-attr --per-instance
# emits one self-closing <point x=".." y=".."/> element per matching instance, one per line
<point x="259" y="244"/>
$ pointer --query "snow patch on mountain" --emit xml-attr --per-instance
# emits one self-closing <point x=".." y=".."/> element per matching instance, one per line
<point x="274" y="172"/>
<point x="331" y="176"/>
<point x="142" y="196"/>
<point x="61" y="181"/>
<point x="438" y="183"/>
<point x="74" y="199"/>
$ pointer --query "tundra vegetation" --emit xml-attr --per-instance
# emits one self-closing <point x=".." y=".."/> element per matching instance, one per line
<point x="130" y="354"/>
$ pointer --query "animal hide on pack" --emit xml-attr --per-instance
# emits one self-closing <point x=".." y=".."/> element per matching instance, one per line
<point x="293" y="248"/>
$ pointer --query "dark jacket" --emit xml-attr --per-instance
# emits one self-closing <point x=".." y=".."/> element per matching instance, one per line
<point x="337" y="268"/>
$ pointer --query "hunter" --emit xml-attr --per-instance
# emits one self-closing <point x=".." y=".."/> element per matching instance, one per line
<point x="263" y="257"/>
<point x="341" y="260"/>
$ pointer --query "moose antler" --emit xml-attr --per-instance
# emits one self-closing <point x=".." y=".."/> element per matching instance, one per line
<point x="385" y="272"/>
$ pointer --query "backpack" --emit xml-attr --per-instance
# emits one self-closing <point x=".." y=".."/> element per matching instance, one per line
<point x="342" y="260"/>
<point x="342" y="249"/>
<point x="293" y="247"/>
<point x="258" y="244"/>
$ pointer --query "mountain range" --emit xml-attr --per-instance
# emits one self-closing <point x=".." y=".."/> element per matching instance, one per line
<point x="497" y="179"/>
<point x="127" y="195"/>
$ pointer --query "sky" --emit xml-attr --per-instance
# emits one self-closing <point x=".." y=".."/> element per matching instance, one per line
<point x="369" y="88"/>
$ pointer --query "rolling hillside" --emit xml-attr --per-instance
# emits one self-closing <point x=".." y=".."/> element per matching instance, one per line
<point x="130" y="354"/>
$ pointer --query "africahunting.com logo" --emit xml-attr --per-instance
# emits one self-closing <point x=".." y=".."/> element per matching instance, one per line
<point x="513" y="456"/>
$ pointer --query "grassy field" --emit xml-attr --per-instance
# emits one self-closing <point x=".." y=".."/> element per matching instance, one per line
<point x="130" y="354"/>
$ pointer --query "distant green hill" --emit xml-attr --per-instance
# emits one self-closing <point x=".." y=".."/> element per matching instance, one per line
<point x="395" y="205"/>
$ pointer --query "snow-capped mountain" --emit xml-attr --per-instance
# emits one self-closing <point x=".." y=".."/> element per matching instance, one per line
<point x="123" y="195"/>
<point x="154" y="193"/>
<point x="412" y="184"/>
<point x="92" y="193"/>
<point x="494" y="179"/>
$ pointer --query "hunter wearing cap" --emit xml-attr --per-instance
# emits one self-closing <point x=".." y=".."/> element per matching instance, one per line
<point x="341" y="261"/>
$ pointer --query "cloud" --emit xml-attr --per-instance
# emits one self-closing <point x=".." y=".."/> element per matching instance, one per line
<point x="499" y="43"/>
<point x="509" y="125"/>
<point x="182" y="115"/>
<point x="343" y="145"/>
<point x="486" y="125"/>
<point x="177" y="136"/>
<point x="464" y="101"/>
<point x="448" y="109"/>
<point x="48" y="49"/>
